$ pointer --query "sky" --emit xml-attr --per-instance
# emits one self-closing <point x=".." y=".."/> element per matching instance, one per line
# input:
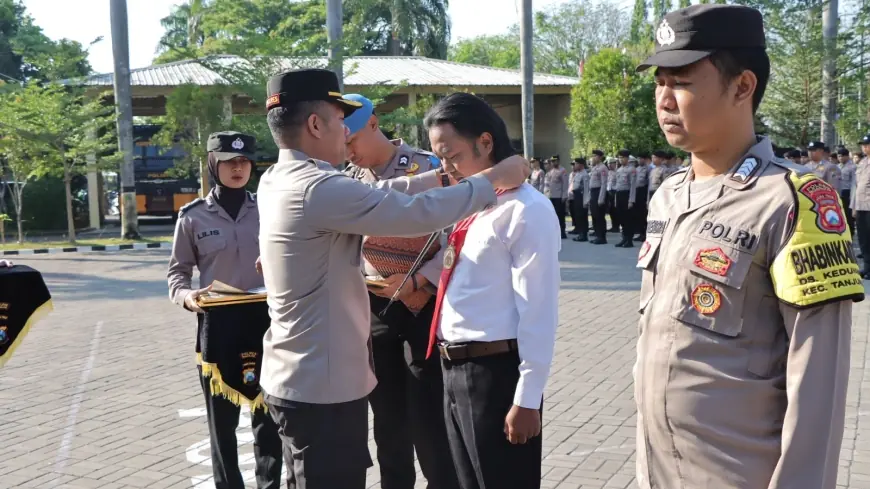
<point x="86" y="20"/>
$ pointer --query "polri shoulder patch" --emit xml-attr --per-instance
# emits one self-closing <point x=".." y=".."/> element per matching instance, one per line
<point x="190" y="205"/>
<point x="817" y="265"/>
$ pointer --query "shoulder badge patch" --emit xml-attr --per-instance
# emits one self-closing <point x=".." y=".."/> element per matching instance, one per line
<point x="403" y="161"/>
<point x="190" y="205"/>
<point x="826" y="206"/>
<point x="713" y="260"/>
<point x="746" y="169"/>
<point x="817" y="264"/>
<point x="412" y="169"/>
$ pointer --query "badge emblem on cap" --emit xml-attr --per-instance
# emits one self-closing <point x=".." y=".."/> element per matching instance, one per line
<point x="665" y="35"/>
<point x="238" y="144"/>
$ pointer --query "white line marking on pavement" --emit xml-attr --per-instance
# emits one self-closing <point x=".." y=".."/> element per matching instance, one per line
<point x="69" y="430"/>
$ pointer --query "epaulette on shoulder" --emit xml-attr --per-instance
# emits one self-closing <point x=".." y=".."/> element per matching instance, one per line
<point x="190" y="205"/>
<point x="352" y="170"/>
<point x="252" y="196"/>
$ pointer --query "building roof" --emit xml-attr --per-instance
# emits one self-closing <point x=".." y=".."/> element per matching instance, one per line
<point x="359" y="71"/>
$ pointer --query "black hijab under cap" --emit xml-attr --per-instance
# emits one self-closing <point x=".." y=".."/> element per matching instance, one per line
<point x="223" y="146"/>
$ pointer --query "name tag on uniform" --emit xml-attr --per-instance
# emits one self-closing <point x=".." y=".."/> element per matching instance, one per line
<point x="207" y="233"/>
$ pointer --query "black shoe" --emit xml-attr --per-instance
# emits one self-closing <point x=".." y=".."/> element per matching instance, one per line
<point x="628" y="244"/>
<point x="640" y="239"/>
<point x="581" y="239"/>
<point x="613" y="230"/>
<point x="619" y="245"/>
<point x="574" y="231"/>
<point x="564" y="236"/>
<point x="598" y="241"/>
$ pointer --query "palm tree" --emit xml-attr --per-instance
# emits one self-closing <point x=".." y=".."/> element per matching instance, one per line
<point x="403" y="27"/>
<point x="182" y="31"/>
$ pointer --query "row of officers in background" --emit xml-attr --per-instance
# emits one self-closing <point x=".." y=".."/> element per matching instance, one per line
<point x="621" y="186"/>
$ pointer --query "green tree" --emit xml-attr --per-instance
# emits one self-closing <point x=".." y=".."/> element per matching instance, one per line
<point x="685" y="3"/>
<point x="640" y="30"/>
<point x="183" y="36"/>
<point x="613" y="107"/>
<point x="61" y="130"/>
<point x="498" y="51"/>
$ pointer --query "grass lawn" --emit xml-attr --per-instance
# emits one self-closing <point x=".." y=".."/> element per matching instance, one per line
<point x="82" y="242"/>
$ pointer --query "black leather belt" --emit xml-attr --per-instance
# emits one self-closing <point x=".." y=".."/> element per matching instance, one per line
<point x="464" y="351"/>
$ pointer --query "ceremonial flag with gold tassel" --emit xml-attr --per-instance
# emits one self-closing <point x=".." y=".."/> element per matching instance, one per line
<point x="231" y="343"/>
<point x="24" y="299"/>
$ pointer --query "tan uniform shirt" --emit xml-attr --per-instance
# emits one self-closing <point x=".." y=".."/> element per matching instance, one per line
<point x="828" y="172"/>
<point x="556" y="184"/>
<point x="642" y="170"/>
<point x="656" y="176"/>
<point x="597" y="179"/>
<point x="407" y="161"/>
<point x="737" y="387"/>
<point x="536" y="179"/>
<point x="577" y="183"/>
<point x="312" y="219"/>
<point x="220" y="248"/>
<point x="626" y="180"/>
<point x="847" y="175"/>
<point x="861" y="187"/>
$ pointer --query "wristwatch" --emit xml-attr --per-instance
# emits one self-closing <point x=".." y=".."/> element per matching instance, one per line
<point x="445" y="179"/>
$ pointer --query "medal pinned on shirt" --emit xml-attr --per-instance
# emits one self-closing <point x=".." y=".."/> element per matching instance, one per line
<point x="449" y="257"/>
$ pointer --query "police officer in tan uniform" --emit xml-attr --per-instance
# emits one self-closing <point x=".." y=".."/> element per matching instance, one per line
<point x="658" y="174"/>
<point x="556" y="185"/>
<point x="642" y="196"/>
<point x="847" y="176"/>
<point x="219" y="236"/>
<point x="612" y="208"/>
<point x="748" y="281"/>
<point x="625" y="186"/>
<point x="860" y="204"/>
<point x="594" y="196"/>
<point x="407" y="402"/>
<point x="824" y="168"/>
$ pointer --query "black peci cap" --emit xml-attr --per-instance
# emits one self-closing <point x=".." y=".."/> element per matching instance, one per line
<point x="624" y="153"/>
<point x="842" y="151"/>
<point x="660" y="153"/>
<point x="691" y="34"/>
<point x="814" y="145"/>
<point x="598" y="152"/>
<point x="306" y="85"/>
<point x="644" y="154"/>
<point x="795" y="153"/>
<point x="227" y="145"/>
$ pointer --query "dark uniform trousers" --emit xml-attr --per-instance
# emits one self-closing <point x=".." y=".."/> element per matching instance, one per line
<point x="407" y="402"/>
<point x="599" y="222"/>
<point x="613" y="209"/>
<point x="579" y="214"/>
<point x="640" y="211"/>
<point x="846" y="196"/>
<point x="223" y="420"/>
<point x="479" y="393"/>
<point x="559" y="206"/>
<point x="625" y="214"/>
<point x="325" y="445"/>
<point x="863" y="223"/>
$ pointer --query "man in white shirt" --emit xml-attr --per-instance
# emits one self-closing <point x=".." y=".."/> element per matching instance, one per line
<point x="496" y="310"/>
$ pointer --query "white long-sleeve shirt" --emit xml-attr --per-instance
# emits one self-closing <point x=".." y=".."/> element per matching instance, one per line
<point x="506" y="285"/>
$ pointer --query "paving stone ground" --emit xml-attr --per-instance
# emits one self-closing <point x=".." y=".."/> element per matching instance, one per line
<point x="104" y="393"/>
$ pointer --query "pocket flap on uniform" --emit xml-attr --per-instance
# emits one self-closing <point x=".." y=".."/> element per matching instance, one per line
<point x="718" y="263"/>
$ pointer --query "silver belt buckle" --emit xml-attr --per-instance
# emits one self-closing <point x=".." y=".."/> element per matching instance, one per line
<point x="445" y="353"/>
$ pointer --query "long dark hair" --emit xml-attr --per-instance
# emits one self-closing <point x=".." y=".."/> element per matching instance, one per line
<point x="471" y="116"/>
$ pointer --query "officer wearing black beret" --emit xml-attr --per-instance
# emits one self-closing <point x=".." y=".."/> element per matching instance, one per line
<point x="317" y="370"/>
<point x="744" y="336"/>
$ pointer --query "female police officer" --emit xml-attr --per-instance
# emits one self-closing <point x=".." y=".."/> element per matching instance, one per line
<point x="219" y="236"/>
